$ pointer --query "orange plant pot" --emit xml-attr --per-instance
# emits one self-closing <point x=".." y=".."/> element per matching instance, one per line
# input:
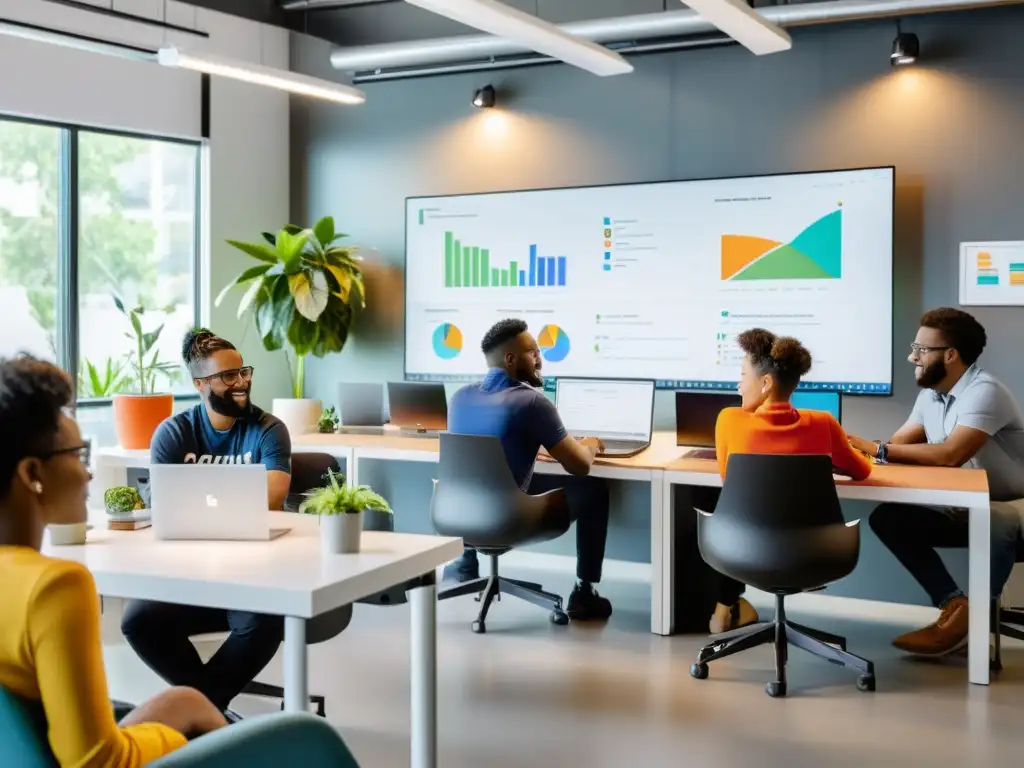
<point x="136" y="418"/>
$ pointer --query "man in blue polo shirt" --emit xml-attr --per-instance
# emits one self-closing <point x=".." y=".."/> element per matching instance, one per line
<point x="965" y="417"/>
<point x="225" y="428"/>
<point x="508" y="406"/>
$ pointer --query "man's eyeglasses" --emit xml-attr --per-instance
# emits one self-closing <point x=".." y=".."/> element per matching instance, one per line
<point x="916" y="350"/>
<point x="84" y="452"/>
<point x="232" y="377"/>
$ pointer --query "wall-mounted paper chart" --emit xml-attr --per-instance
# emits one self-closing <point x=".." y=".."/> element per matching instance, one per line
<point x="992" y="274"/>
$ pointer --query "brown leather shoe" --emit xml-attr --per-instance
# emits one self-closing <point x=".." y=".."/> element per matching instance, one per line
<point x="947" y="635"/>
<point x="727" y="617"/>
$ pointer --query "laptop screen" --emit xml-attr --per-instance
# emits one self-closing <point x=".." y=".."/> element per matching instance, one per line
<point x="696" y="414"/>
<point x="830" y="402"/>
<point x="606" y="408"/>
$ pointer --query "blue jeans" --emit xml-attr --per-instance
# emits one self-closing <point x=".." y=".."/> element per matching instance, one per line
<point x="913" y="533"/>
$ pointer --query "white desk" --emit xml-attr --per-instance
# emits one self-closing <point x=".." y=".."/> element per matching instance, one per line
<point x="287" y="577"/>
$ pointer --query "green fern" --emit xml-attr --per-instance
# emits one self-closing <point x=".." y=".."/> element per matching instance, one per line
<point x="336" y="498"/>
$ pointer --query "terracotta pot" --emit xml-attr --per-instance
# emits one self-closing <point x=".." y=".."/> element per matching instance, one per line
<point x="136" y="418"/>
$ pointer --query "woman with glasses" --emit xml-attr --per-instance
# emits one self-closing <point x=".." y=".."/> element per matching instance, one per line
<point x="50" y="647"/>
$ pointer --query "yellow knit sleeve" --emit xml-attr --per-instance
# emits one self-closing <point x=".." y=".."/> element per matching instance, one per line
<point x="67" y="653"/>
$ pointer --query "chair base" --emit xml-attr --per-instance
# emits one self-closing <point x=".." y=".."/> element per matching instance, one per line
<point x="1007" y="622"/>
<point x="277" y="692"/>
<point x="783" y="633"/>
<point x="494" y="586"/>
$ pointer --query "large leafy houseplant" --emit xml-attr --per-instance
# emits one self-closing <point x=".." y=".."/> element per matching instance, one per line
<point x="302" y="293"/>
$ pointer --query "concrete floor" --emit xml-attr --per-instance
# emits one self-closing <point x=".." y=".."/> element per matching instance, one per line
<point x="532" y="694"/>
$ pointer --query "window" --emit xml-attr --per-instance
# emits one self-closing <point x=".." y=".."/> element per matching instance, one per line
<point x="29" y="237"/>
<point x="86" y="216"/>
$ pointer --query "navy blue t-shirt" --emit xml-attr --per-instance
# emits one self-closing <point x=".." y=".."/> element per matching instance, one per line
<point x="516" y="413"/>
<point x="189" y="438"/>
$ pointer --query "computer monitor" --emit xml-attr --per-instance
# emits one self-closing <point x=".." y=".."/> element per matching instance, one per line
<point x="830" y="402"/>
<point x="696" y="414"/>
<point x="418" y="406"/>
<point x="609" y="409"/>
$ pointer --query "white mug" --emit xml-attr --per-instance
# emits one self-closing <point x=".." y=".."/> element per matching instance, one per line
<point x="66" y="535"/>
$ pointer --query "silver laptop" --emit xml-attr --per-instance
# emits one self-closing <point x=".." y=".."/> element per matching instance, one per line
<point x="211" y="502"/>
<point x="362" y="408"/>
<point x="619" y="412"/>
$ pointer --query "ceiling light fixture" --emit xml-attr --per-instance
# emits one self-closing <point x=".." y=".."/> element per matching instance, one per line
<point x="744" y="25"/>
<point x="906" y="48"/>
<point x="529" y="31"/>
<point x="485" y="97"/>
<point x="258" y="74"/>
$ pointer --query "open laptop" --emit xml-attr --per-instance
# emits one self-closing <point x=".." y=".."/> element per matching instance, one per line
<point x="211" y="502"/>
<point x="618" y="412"/>
<point x="362" y="408"/>
<point x="697" y="413"/>
<point x="418" y="409"/>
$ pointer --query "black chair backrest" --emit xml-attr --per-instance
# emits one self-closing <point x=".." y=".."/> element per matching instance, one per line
<point x="780" y="491"/>
<point x="477" y="498"/>
<point x="778" y="525"/>
<point x="309" y="470"/>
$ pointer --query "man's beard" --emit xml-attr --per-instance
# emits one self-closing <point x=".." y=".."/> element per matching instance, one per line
<point x="226" y="405"/>
<point x="533" y="378"/>
<point x="932" y="375"/>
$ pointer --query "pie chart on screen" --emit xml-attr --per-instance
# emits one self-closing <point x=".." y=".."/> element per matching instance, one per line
<point x="553" y="343"/>
<point x="447" y="341"/>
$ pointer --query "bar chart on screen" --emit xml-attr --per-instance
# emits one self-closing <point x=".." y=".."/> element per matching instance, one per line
<point x="470" y="266"/>
<point x="992" y="273"/>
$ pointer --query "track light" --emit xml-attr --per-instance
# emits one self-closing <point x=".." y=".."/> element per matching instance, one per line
<point x="906" y="48"/>
<point x="484" y="97"/>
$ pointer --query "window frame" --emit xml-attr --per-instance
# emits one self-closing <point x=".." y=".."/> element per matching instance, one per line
<point x="68" y="221"/>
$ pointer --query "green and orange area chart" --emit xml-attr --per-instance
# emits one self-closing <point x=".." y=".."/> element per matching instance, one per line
<point x="814" y="254"/>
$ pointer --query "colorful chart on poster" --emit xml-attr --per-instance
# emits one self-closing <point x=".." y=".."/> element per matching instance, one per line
<point x="554" y="343"/>
<point x="447" y="341"/>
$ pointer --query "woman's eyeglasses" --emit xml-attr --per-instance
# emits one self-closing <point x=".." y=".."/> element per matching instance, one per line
<point x="84" y="452"/>
<point x="232" y="377"/>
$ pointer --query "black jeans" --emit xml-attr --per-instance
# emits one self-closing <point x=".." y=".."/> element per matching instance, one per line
<point x="725" y="589"/>
<point x="159" y="633"/>
<point x="589" y="509"/>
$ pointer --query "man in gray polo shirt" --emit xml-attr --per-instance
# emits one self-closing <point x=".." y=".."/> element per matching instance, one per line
<point x="965" y="417"/>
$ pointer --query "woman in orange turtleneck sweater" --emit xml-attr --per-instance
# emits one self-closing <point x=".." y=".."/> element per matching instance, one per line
<point x="767" y="423"/>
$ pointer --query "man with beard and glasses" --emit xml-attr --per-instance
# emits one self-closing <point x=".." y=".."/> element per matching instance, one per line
<point x="508" y="406"/>
<point x="226" y="428"/>
<point x="964" y="418"/>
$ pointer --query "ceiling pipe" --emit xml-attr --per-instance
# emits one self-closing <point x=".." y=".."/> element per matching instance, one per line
<point x="624" y="31"/>
<point x="329" y="5"/>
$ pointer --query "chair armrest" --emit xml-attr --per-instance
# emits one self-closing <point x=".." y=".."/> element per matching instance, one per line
<point x="269" y="741"/>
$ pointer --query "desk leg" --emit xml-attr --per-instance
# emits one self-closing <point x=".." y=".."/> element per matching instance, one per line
<point x="423" y="656"/>
<point x="979" y="593"/>
<point x="353" y="467"/>
<point x="662" y="542"/>
<point x="296" y="678"/>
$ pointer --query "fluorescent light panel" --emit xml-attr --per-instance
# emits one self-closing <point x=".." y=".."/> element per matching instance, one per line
<point x="744" y="25"/>
<point x="284" y="80"/>
<point x="502" y="21"/>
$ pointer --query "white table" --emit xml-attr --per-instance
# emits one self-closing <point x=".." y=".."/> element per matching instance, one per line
<point x="287" y="577"/>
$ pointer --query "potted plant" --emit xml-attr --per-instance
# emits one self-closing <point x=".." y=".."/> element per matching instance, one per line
<point x="328" y="421"/>
<point x="138" y="414"/>
<point x="340" y="508"/>
<point x="302" y="293"/>
<point x="122" y="500"/>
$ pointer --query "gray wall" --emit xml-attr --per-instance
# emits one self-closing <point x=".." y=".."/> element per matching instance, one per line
<point x="951" y="126"/>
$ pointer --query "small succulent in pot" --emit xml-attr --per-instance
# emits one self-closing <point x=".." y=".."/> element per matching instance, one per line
<point x="122" y="500"/>
<point x="328" y="421"/>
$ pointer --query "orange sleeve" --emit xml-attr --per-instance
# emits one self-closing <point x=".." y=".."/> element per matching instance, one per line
<point x="67" y="652"/>
<point x="844" y="457"/>
<point x="724" y="426"/>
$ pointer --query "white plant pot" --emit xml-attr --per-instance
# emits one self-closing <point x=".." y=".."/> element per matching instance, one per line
<point x="341" y="534"/>
<point x="300" y="416"/>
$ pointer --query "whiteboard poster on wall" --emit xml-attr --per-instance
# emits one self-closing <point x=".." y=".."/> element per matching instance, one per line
<point x="992" y="274"/>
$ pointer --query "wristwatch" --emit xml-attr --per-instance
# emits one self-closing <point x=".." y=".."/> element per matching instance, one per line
<point x="882" y="453"/>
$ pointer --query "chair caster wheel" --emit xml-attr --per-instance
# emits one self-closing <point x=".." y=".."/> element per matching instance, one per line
<point x="866" y="683"/>
<point x="699" y="671"/>
<point x="479" y="627"/>
<point x="561" y="618"/>
<point x="775" y="689"/>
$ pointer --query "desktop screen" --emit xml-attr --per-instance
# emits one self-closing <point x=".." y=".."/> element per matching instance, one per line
<point x="819" y="401"/>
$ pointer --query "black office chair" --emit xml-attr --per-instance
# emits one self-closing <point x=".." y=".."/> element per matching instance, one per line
<point x="309" y="471"/>
<point x="1007" y="621"/>
<point x="476" y="498"/>
<point x="778" y="527"/>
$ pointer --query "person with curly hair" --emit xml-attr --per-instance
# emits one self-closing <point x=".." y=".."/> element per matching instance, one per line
<point x="51" y="654"/>
<point x="767" y="423"/>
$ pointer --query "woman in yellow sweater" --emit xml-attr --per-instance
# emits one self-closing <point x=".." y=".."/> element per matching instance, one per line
<point x="50" y="646"/>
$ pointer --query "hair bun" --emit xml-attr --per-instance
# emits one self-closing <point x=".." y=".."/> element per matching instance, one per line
<point x="191" y="339"/>
<point x="789" y="354"/>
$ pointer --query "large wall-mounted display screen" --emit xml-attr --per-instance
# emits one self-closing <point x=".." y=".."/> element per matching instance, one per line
<point x="656" y="280"/>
